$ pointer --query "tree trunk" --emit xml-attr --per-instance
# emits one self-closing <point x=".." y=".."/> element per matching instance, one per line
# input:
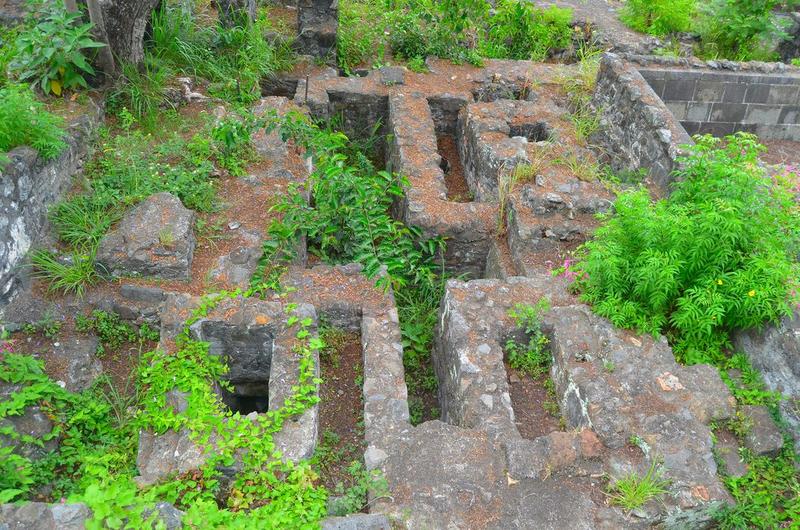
<point x="125" y="23"/>
<point x="71" y="5"/>
<point x="104" y="56"/>
<point x="234" y="13"/>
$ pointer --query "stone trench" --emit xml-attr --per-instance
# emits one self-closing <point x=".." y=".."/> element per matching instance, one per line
<point x="472" y="468"/>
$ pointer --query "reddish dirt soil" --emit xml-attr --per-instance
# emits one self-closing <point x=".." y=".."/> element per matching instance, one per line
<point x="527" y="398"/>
<point x="454" y="179"/>
<point x="340" y="408"/>
<point x="783" y="152"/>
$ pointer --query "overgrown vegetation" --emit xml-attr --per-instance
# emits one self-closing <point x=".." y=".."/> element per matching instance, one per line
<point x="53" y="53"/>
<point x="719" y="254"/>
<point x="740" y="30"/>
<point x="658" y="17"/>
<point x="95" y="459"/>
<point x="349" y="221"/>
<point x="462" y="31"/>
<point x="533" y="358"/>
<point x="25" y="121"/>
<point x="633" y="491"/>
<point x="113" y="332"/>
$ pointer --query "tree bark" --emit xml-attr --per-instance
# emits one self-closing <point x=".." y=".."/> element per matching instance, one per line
<point x="234" y="13"/>
<point x="104" y="56"/>
<point x="71" y="5"/>
<point x="125" y="23"/>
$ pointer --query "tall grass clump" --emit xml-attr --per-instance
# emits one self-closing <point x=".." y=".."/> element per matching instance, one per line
<point x="24" y="120"/>
<point x="719" y="254"/>
<point x="658" y="17"/>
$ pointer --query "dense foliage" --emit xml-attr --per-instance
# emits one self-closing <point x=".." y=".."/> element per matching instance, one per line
<point x="95" y="461"/>
<point x="349" y="220"/>
<point x="658" y="17"/>
<point x="740" y="30"/>
<point x="456" y="30"/>
<point x="25" y="121"/>
<point x="52" y="54"/>
<point x="719" y="254"/>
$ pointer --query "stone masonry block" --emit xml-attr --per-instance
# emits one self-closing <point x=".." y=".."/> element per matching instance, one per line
<point x="678" y="109"/>
<point x="679" y="89"/>
<point x="757" y="93"/>
<point x="767" y="114"/>
<point x="789" y="115"/>
<point x="734" y="92"/>
<point x="698" y="111"/>
<point x="728" y="112"/>
<point x="783" y="94"/>
<point x="709" y="91"/>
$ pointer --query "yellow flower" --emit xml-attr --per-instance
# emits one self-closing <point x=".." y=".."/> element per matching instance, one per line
<point x="751" y="293"/>
<point x="719" y="282"/>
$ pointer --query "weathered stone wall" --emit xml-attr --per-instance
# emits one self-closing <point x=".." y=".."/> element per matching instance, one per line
<point x="637" y="131"/>
<point x="317" y="24"/>
<point x="721" y="103"/>
<point x="28" y="187"/>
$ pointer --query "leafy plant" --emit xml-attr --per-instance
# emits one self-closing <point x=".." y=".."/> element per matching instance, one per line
<point x="717" y="255"/>
<point x="353" y="499"/>
<point x="658" y="17"/>
<point x="520" y="30"/>
<point x="69" y="275"/>
<point x="112" y="331"/>
<point x="25" y="121"/>
<point x="742" y="30"/>
<point x="232" y="145"/>
<point x="632" y="491"/>
<point x="141" y="89"/>
<point x="533" y="358"/>
<point x="51" y="54"/>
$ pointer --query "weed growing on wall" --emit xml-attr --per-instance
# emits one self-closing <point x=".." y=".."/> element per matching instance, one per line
<point x="719" y="254"/>
<point x="25" y="121"/>
<point x="533" y="358"/>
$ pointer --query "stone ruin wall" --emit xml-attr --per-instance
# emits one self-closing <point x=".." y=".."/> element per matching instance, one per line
<point x="28" y="187"/>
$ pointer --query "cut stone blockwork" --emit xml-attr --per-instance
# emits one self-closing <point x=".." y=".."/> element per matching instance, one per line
<point x="415" y="112"/>
<point x="775" y="352"/>
<point x="256" y="342"/>
<point x="155" y="239"/>
<point x="317" y="24"/>
<point x="648" y="395"/>
<point x="28" y="187"/>
<point x="637" y="131"/>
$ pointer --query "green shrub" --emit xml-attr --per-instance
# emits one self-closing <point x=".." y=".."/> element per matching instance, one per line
<point x="742" y="30"/>
<point x="68" y="276"/>
<point x="519" y="30"/>
<point x="141" y="89"/>
<point x="51" y="54"/>
<point x="25" y="121"/>
<point x="8" y="49"/>
<point x="658" y="17"/>
<point x="234" y="59"/>
<point x="533" y="358"/>
<point x="356" y="42"/>
<point x="719" y="254"/>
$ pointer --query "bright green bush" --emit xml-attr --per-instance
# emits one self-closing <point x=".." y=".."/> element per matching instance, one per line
<point x="742" y="30"/>
<point x="519" y="30"/>
<point x="52" y="53"/>
<point x="658" y="17"/>
<point x="719" y="254"/>
<point x="25" y="121"/>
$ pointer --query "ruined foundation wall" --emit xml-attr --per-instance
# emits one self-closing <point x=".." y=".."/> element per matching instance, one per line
<point x="721" y="103"/>
<point x="28" y="187"/>
<point x="637" y="131"/>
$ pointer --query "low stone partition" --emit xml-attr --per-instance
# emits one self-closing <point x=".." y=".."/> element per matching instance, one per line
<point x="721" y="102"/>
<point x="412" y="110"/>
<point x="29" y="187"/>
<point x="255" y="339"/>
<point x="612" y="386"/>
<point x="637" y="130"/>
